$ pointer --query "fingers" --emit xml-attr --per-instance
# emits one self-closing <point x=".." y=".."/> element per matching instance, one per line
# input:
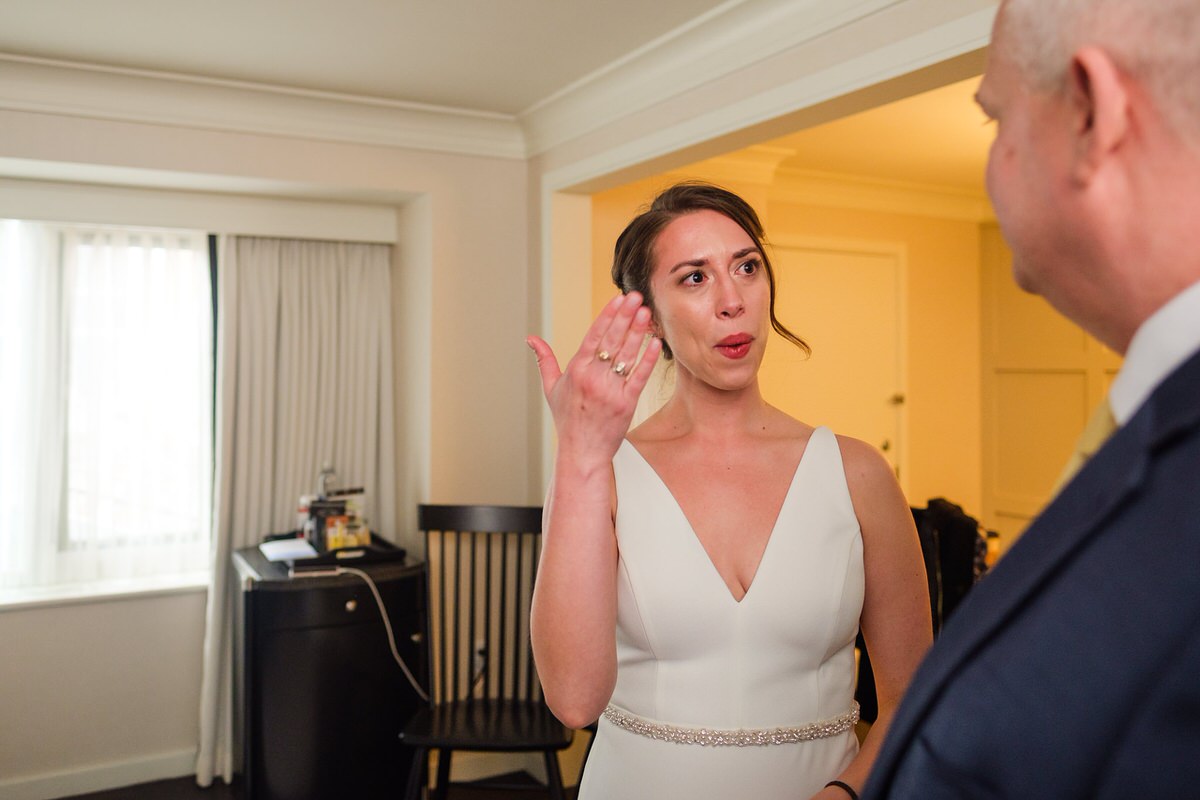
<point x="632" y="329"/>
<point x="592" y="340"/>
<point x="641" y="373"/>
<point x="546" y="361"/>
<point x="610" y="358"/>
<point x="628" y="322"/>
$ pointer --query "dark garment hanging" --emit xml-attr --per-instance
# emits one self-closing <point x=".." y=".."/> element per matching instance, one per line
<point x="954" y="547"/>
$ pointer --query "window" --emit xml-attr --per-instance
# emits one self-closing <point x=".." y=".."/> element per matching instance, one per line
<point x="106" y="413"/>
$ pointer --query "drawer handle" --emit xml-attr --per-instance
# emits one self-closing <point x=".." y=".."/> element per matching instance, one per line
<point x="351" y="606"/>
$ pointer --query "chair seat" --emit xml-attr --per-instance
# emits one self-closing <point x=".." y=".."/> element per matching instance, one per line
<point x="503" y="725"/>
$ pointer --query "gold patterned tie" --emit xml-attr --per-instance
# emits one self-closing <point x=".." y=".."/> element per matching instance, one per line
<point x="1099" y="427"/>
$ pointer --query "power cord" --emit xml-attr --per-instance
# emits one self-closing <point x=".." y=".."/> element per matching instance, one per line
<point x="387" y="622"/>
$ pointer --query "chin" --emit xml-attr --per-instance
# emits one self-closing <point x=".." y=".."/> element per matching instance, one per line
<point x="738" y="382"/>
<point x="1023" y="276"/>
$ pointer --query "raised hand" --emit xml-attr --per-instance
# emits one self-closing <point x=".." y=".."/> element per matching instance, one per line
<point x="594" y="399"/>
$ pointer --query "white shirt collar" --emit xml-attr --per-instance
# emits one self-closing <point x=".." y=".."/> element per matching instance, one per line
<point x="1162" y="343"/>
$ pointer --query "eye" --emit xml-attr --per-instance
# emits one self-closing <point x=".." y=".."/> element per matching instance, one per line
<point x="693" y="278"/>
<point x="750" y="267"/>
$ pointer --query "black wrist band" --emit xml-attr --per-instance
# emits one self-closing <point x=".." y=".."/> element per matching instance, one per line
<point x="844" y="787"/>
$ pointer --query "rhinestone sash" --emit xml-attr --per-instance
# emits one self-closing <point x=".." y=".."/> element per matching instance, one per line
<point x="741" y="737"/>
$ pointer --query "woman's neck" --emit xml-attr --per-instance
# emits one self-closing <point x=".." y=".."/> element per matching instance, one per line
<point x="697" y="408"/>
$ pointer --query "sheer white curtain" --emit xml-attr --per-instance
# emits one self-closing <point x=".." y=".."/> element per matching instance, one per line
<point x="106" y="412"/>
<point x="32" y="402"/>
<point x="139" y="465"/>
<point x="304" y="375"/>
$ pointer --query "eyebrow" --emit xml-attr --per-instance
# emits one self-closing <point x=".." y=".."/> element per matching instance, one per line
<point x="700" y="262"/>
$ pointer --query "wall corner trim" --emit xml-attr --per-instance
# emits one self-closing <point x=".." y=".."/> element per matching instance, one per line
<point x="84" y="90"/>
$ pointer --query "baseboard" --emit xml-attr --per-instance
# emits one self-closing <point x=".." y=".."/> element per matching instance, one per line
<point x="99" y="777"/>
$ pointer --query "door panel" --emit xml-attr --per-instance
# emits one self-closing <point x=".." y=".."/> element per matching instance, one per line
<point x="846" y="300"/>
<point x="1042" y="376"/>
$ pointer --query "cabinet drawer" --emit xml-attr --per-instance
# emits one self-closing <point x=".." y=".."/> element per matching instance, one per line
<point x="337" y="601"/>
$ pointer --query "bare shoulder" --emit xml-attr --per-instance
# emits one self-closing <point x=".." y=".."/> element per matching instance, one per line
<point x="864" y="464"/>
<point x="879" y="503"/>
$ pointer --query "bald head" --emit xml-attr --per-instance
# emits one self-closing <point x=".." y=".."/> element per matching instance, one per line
<point x="1157" y="42"/>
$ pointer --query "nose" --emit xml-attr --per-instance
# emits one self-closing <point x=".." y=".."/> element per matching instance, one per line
<point x="729" y="299"/>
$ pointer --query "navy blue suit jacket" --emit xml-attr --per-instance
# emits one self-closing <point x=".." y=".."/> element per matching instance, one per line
<point x="1072" y="670"/>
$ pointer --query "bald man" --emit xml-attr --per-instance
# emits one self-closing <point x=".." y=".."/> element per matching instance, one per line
<point x="1073" y="669"/>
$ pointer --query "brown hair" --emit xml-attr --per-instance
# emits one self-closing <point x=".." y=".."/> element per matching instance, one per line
<point x="633" y="256"/>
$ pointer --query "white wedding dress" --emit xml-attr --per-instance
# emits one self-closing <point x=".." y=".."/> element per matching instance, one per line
<point x="692" y="657"/>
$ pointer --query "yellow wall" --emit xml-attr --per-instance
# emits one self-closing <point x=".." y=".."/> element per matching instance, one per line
<point x="1042" y="376"/>
<point x="943" y="357"/>
<point x="611" y="211"/>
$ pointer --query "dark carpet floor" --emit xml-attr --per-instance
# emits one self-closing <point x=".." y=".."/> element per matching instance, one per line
<point x="186" y="789"/>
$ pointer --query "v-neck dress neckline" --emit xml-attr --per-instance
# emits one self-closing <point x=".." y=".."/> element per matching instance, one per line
<point x="671" y="499"/>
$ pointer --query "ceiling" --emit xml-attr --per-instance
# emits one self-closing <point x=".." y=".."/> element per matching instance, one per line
<point x="938" y="138"/>
<point x="501" y="57"/>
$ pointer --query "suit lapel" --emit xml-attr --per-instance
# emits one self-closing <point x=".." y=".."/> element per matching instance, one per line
<point x="1104" y="486"/>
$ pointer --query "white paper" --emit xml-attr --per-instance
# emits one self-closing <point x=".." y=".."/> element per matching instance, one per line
<point x="287" y="549"/>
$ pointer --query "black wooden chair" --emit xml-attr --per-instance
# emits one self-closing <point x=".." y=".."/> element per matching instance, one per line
<point x="484" y="691"/>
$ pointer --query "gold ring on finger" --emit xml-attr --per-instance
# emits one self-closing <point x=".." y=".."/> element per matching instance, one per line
<point x="619" y="368"/>
<point x="603" y="355"/>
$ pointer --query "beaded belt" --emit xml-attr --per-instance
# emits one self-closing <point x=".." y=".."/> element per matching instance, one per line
<point x="741" y="737"/>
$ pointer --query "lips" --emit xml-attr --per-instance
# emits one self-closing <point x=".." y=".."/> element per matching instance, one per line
<point x="736" y="345"/>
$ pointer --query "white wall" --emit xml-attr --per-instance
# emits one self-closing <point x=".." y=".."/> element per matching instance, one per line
<point x="97" y="692"/>
<point x="474" y="271"/>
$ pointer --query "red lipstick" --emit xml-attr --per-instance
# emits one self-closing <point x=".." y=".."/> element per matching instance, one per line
<point x="736" y="345"/>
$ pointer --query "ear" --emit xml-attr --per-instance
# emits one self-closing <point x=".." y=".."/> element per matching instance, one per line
<point x="1099" y="100"/>
<point x="655" y="327"/>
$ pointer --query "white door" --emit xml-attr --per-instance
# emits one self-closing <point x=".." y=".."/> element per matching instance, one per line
<point x="846" y="299"/>
<point x="1042" y="376"/>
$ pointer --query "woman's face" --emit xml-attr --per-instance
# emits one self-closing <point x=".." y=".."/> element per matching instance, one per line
<point x="711" y="298"/>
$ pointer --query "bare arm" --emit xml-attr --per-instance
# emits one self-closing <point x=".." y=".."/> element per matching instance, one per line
<point x="573" y="618"/>
<point x="895" y="618"/>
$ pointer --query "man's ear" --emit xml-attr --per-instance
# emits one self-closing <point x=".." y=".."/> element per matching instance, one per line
<point x="1099" y="101"/>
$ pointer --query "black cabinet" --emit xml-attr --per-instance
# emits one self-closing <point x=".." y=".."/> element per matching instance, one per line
<point x="321" y="701"/>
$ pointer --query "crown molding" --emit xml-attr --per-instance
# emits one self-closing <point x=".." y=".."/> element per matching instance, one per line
<point x="763" y="165"/>
<point x="830" y="190"/>
<point x="756" y="164"/>
<point x="86" y="90"/>
<point x="739" y="36"/>
<point x="730" y="37"/>
<point x="946" y="34"/>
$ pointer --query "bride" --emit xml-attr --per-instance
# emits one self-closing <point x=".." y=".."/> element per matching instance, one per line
<point x="704" y="575"/>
